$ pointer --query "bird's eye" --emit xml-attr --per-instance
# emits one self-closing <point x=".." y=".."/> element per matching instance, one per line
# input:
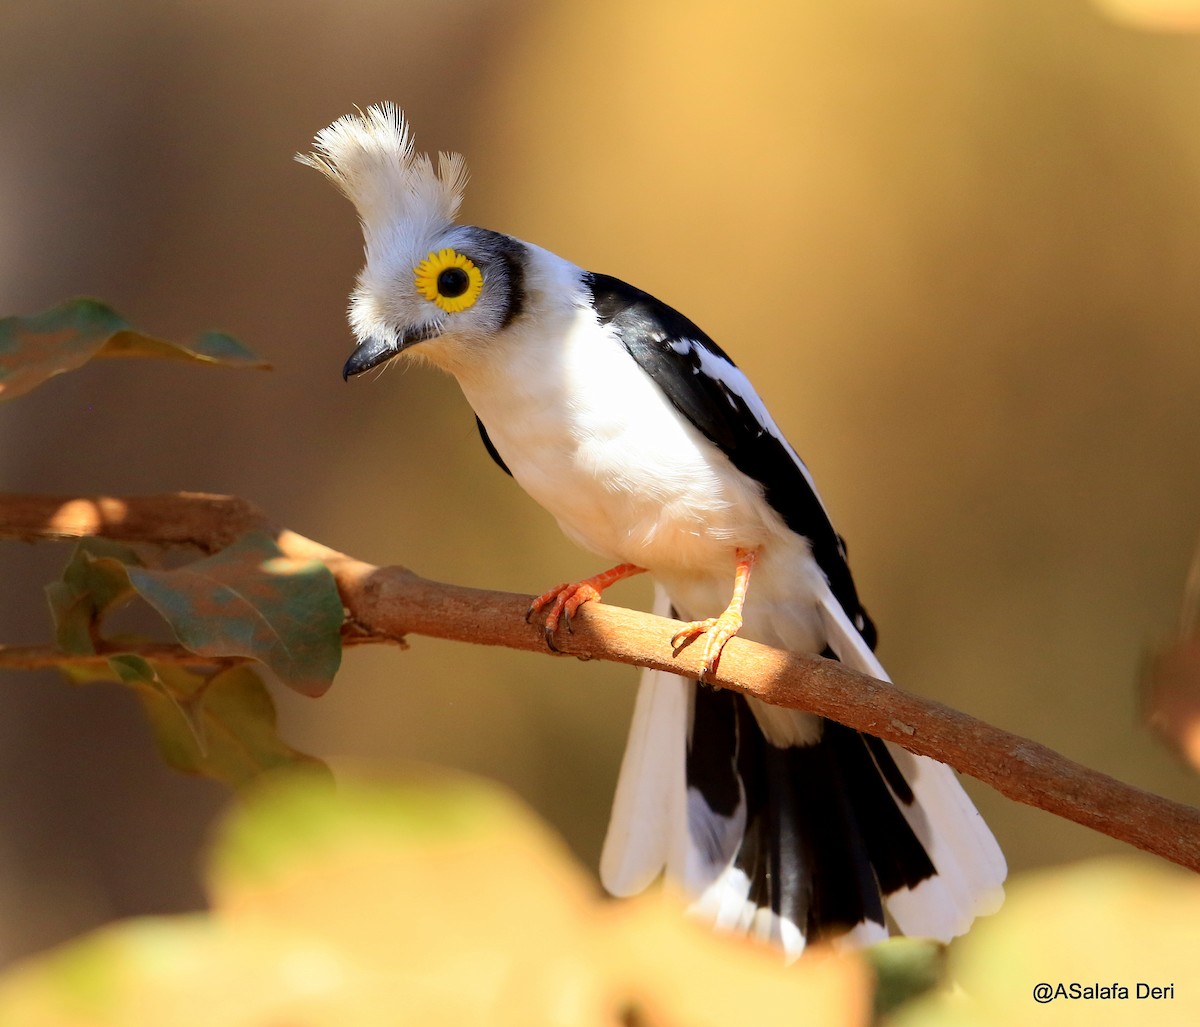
<point x="449" y="279"/>
<point x="453" y="282"/>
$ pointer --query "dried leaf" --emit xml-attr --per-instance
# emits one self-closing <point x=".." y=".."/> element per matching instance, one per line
<point x="1171" y="697"/>
<point x="63" y="338"/>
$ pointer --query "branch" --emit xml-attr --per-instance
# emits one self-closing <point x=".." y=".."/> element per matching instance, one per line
<point x="38" y="657"/>
<point x="41" y="657"/>
<point x="389" y="602"/>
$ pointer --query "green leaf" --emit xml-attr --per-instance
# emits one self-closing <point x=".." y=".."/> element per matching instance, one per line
<point x="287" y="826"/>
<point x="222" y="727"/>
<point x="250" y="600"/>
<point x="63" y="338"/>
<point x="135" y="670"/>
<point x="904" y="968"/>
<point x="93" y="582"/>
<point x="247" y="600"/>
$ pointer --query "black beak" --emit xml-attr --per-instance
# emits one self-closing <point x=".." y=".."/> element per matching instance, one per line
<point x="374" y="351"/>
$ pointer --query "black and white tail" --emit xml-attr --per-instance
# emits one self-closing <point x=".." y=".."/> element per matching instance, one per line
<point x="799" y="842"/>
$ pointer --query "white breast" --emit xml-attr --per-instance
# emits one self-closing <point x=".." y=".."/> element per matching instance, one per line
<point x="589" y="436"/>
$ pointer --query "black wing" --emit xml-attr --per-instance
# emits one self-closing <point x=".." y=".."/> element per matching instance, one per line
<point x="672" y="351"/>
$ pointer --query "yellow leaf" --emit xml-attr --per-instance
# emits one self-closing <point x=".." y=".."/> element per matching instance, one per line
<point x="437" y="901"/>
<point x="665" y="969"/>
<point x="1078" y="945"/>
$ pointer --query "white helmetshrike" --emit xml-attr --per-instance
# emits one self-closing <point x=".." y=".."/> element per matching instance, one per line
<point x="651" y="449"/>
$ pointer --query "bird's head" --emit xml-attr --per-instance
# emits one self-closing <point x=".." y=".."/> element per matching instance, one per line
<point x="426" y="281"/>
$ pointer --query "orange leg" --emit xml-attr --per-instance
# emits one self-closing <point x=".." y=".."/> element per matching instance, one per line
<point x="565" y="599"/>
<point x="719" y="630"/>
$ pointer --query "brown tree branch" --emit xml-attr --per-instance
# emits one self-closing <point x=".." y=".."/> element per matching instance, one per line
<point x="41" y="657"/>
<point x="388" y="603"/>
<point x="38" y="657"/>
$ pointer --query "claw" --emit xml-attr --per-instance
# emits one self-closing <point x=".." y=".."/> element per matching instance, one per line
<point x="563" y="601"/>
<point x="716" y="631"/>
<point x="560" y="604"/>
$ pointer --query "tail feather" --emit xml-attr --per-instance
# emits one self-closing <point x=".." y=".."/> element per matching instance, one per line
<point x="790" y="842"/>
<point x="648" y="818"/>
<point x="970" y="865"/>
<point x="648" y="825"/>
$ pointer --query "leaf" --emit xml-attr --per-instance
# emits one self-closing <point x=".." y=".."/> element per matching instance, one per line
<point x="1171" y="697"/>
<point x="94" y="581"/>
<point x="1104" y="924"/>
<point x="1170" y="685"/>
<point x="247" y="600"/>
<point x="183" y="971"/>
<point x="222" y="727"/>
<point x="250" y="600"/>
<point x="446" y="879"/>
<point x="666" y="969"/>
<point x="136" y="670"/>
<point x="1154" y="15"/>
<point x="287" y="830"/>
<point x="904" y="968"/>
<point x="63" y="338"/>
<point x="439" y="900"/>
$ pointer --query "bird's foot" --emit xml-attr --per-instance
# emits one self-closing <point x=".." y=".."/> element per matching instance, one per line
<point x="560" y="604"/>
<point x="563" y="601"/>
<point x="715" y="631"/>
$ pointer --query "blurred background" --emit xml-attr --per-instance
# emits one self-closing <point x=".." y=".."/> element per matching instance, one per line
<point x="954" y="243"/>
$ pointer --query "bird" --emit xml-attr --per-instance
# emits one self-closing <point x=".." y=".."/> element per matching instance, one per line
<point x="652" y="450"/>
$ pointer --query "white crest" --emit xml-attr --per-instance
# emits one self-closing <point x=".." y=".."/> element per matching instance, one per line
<point x="401" y="200"/>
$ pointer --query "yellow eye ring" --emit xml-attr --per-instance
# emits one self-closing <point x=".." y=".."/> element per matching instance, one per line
<point x="449" y="279"/>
